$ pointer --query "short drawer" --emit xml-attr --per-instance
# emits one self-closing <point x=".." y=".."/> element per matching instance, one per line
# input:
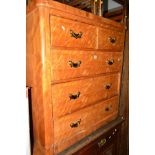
<point x="71" y="128"/>
<point x="110" y="39"/>
<point x="71" y="96"/>
<point x="67" y="64"/>
<point x="69" y="33"/>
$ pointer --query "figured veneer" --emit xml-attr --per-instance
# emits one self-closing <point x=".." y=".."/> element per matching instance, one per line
<point x="111" y="40"/>
<point x="38" y="77"/>
<point x="92" y="63"/>
<point x="90" y="119"/>
<point x="86" y="92"/>
<point x="72" y="33"/>
<point x="73" y="66"/>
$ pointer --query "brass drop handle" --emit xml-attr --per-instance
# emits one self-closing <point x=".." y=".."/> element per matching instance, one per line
<point x="75" y="124"/>
<point x="108" y="86"/>
<point x="74" y="64"/>
<point x="102" y="142"/>
<point x="110" y="62"/>
<point x="74" y="96"/>
<point x="112" y="39"/>
<point x="76" y="35"/>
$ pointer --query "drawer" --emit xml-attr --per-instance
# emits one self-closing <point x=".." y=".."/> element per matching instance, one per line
<point x="67" y="64"/>
<point x="71" y="96"/>
<point x="71" y="128"/>
<point x="110" y="39"/>
<point x="69" y="33"/>
<point x="102" y="144"/>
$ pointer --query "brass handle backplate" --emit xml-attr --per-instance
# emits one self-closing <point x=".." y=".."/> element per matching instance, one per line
<point x="76" y="35"/>
<point x="110" y="62"/>
<point x="75" y="124"/>
<point x="112" y="39"/>
<point x="108" y="86"/>
<point x="102" y="142"/>
<point x="74" y="64"/>
<point x="74" y="96"/>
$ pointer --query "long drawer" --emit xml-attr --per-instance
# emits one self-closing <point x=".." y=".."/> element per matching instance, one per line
<point x="69" y="33"/>
<point x="73" y="127"/>
<point x="71" y="96"/>
<point x="110" y="39"/>
<point x="68" y="64"/>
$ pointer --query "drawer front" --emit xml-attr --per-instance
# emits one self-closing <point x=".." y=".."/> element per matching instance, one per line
<point x="68" y="64"/>
<point x="71" y="128"/>
<point x="69" y="33"/>
<point x="103" y="144"/>
<point x="109" y="39"/>
<point x="71" y="96"/>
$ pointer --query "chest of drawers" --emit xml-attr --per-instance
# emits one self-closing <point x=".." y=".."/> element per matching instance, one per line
<point x="73" y="65"/>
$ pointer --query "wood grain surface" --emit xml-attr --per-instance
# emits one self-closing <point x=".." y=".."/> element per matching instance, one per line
<point x="60" y="63"/>
<point x="105" y="36"/>
<point x="38" y="77"/>
<point x="91" y="91"/>
<point x="66" y="11"/>
<point x="90" y="118"/>
<point x="91" y="63"/>
<point x="62" y="28"/>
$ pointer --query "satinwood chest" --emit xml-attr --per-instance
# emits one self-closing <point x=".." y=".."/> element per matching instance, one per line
<point x="73" y="66"/>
